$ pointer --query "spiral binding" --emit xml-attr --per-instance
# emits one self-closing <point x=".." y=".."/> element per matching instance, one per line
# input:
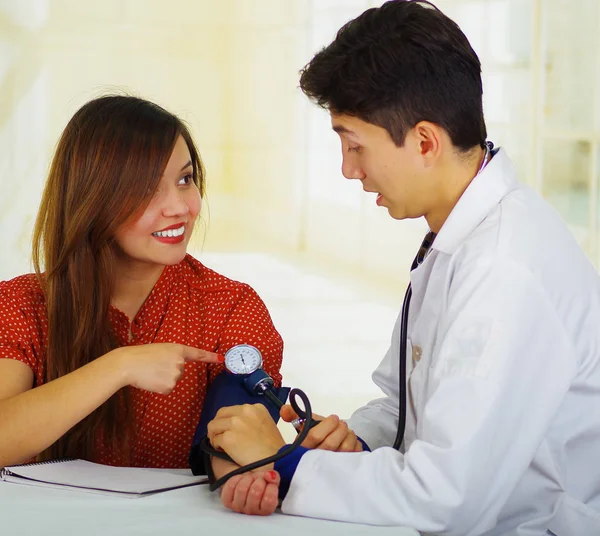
<point x="7" y="470"/>
<point x="47" y="462"/>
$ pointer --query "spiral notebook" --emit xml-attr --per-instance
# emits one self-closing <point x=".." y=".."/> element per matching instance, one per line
<point x="91" y="477"/>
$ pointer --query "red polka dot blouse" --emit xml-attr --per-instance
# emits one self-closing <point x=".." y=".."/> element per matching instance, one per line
<point x="190" y="304"/>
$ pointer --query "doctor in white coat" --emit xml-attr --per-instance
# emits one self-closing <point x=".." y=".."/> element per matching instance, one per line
<point x="502" y="369"/>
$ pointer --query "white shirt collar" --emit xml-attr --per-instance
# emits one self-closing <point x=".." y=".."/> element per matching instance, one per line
<point x="481" y="196"/>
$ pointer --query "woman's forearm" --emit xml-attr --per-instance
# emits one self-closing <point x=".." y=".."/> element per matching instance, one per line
<point x="33" y="420"/>
<point x="222" y="467"/>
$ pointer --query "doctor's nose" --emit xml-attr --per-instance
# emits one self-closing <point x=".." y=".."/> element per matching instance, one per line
<point x="351" y="169"/>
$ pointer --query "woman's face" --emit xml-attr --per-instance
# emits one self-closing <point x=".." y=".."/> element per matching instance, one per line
<point x="161" y="234"/>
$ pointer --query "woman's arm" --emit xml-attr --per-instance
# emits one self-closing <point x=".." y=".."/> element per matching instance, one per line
<point x="33" y="419"/>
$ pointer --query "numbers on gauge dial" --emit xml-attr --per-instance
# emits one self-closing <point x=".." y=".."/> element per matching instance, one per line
<point x="243" y="359"/>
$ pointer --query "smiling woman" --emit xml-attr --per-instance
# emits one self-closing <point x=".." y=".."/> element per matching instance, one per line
<point x="107" y="351"/>
<point x="169" y="216"/>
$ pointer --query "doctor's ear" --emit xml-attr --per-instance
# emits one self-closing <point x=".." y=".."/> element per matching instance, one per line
<point x="428" y="138"/>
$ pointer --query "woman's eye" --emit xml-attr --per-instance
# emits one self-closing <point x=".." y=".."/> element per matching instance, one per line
<point x="187" y="179"/>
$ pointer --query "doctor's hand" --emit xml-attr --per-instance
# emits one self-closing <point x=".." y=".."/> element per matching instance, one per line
<point x="331" y="433"/>
<point x="253" y="493"/>
<point x="247" y="433"/>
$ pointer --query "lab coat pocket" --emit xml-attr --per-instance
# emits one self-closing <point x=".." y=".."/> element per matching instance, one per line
<point x="467" y="348"/>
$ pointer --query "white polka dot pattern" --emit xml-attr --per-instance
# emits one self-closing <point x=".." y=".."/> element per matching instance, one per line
<point x="190" y="304"/>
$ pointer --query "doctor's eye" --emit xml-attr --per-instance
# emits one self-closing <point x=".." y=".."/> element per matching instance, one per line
<point x="354" y="149"/>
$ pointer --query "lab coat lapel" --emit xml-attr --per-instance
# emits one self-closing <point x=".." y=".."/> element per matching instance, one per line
<point x="483" y="193"/>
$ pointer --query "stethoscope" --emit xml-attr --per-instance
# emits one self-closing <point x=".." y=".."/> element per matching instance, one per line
<point x="420" y="257"/>
<point x="245" y="360"/>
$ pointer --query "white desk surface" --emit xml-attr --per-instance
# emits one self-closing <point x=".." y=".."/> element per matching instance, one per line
<point x="31" y="510"/>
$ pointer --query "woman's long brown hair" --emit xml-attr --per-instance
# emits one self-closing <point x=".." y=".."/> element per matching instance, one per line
<point x="107" y="165"/>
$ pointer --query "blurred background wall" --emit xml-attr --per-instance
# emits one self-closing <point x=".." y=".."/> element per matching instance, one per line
<point x="279" y="213"/>
<point x="230" y="68"/>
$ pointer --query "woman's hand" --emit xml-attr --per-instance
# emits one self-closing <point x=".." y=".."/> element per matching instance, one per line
<point x="253" y="493"/>
<point x="331" y="433"/>
<point x="247" y="433"/>
<point x="157" y="367"/>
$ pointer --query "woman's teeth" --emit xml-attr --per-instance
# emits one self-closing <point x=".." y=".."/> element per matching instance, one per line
<point x="170" y="233"/>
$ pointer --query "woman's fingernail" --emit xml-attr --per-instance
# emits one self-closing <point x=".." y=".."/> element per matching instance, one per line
<point x="272" y="475"/>
<point x="221" y="358"/>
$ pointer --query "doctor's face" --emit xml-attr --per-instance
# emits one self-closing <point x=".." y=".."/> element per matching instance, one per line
<point x="395" y="174"/>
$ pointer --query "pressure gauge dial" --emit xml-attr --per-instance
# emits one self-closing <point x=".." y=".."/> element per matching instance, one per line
<point x="243" y="359"/>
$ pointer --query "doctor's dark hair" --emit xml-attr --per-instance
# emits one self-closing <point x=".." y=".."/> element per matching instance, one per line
<point x="105" y="170"/>
<point x="397" y="65"/>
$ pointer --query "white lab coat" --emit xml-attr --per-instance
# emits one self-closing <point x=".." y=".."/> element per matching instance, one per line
<point x="503" y="363"/>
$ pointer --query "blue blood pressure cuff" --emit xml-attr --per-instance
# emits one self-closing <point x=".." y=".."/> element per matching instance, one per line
<point x="227" y="390"/>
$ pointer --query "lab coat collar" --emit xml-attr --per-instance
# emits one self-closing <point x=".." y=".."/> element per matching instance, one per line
<point x="481" y="196"/>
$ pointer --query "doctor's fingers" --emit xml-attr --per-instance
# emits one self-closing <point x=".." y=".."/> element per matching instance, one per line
<point x="288" y="414"/>
<point x="234" y="443"/>
<point x="349" y="443"/>
<point x="335" y="439"/>
<point x="244" y="410"/>
<point x="234" y="417"/>
<point x="223" y="432"/>
<point x="228" y="411"/>
<point x="327" y="435"/>
<point x="217" y="427"/>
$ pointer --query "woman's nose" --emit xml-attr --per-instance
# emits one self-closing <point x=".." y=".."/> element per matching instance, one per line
<point x="175" y="204"/>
